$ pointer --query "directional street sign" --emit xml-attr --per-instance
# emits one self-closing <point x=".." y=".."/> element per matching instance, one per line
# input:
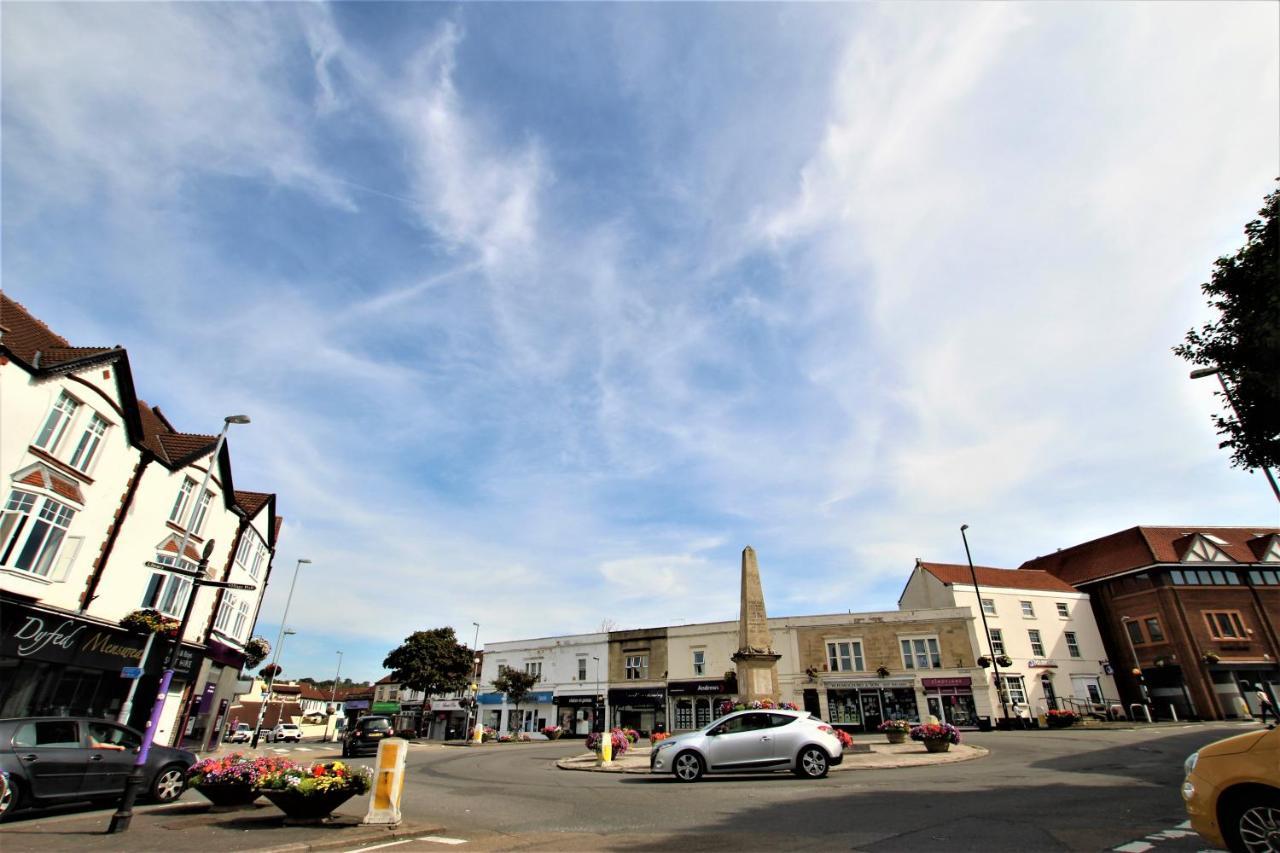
<point x="228" y="585"/>
<point x="131" y="672"/>
<point x="177" y="570"/>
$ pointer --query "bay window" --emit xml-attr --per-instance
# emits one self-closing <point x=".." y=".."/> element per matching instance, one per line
<point x="30" y="540"/>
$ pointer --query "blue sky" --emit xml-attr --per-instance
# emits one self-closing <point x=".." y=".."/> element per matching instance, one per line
<point x="543" y="312"/>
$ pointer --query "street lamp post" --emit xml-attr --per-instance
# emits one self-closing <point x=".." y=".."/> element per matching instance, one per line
<point x="333" y="697"/>
<point x="124" y="814"/>
<point x="1137" y="667"/>
<point x="474" y="685"/>
<point x="262" y="709"/>
<point x="595" y="705"/>
<point x="1215" y="370"/>
<point x="280" y="704"/>
<point x="995" y="665"/>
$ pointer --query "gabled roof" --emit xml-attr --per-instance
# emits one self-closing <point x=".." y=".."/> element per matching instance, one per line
<point x="251" y="502"/>
<point x="951" y="573"/>
<point x="1141" y="546"/>
<point x="24" y="335"/>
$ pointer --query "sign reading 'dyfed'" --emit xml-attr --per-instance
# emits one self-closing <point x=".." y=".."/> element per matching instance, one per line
<point x="388" y="782"/>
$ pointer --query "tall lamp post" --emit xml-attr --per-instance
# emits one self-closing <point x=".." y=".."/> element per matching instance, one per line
<point x="595" y="705"/>
<point x="473" y="686"/>
<point x="1215" y="370"/>
<point x="333" y="697"/>
<point x="262" y="709"/>
<point x="995" y="665"/>
<point x="124" y="814"/>
<point x="280" y="704"/>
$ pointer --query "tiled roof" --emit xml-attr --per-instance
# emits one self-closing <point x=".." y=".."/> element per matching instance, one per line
<point x="1004" y="578"/>
<point x="25" y="335"/>
<point x="186" y="447"/>
<point x="251" y="502"/>
<point x="1142" y="546"/>
<point x="387" y="679"/>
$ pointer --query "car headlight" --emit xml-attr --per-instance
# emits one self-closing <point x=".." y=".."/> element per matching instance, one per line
<point x="1190" y="763"/>
<point x="663" y="744"/>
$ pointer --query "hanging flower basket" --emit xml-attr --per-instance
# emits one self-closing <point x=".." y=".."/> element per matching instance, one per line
<point x="149" y="622"/>
<point x="255" y="652"/>
<point x="984" y="661"/>
<point x="1004" y="660"/>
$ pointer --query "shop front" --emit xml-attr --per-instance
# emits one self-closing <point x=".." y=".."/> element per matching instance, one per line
<point x="444" y="719"/>
<point x="641" y="708"/>
<point x="862" y="704"/>
<point x="577" y="714"/>
<point x="951" y="700"/>
<point x="217" y="686"/>
<point x="53" y="663"/>
<point x="695" y="704"/>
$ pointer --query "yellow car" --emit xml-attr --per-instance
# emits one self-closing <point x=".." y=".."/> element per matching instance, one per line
<point x="1232" y="792"/>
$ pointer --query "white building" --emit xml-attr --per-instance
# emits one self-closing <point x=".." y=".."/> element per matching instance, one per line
<point x="1044" y="625"/>
<point x="572" y="673"/>
<point x="100" y="483"/>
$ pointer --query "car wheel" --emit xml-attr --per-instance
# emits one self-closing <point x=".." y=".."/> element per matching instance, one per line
<point x="11" y="800"/>
<point x="1254" y="824"/>
<point x="688" y="767"/>
<point x="169" y="784"/>
<point x="812" y="763"/>
<point x="346" y="753"/>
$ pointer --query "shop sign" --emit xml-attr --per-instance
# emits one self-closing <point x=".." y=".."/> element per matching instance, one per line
<point x="206" y="698"/>
<point x="386" y="707"/>
<point x="356" y="705"/>
<point x="696" y="688"/>
<point x="490" y="698"/>
<point x="638" y="696"/>
<point x="575" y="701"/>
<point x="40" y="635"/>
<point x="1035" y="663"/>
<point x="957" y="681"/>
<point x="446" y="705"/>
<point x="540" y="697"/>
<point x="870" y="683"/>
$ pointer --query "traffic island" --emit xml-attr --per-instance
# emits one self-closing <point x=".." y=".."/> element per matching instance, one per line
<point x="875" y="756"/>
<point x="187" y="825"/>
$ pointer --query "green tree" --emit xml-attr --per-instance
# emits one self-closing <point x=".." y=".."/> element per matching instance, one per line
<point x="431" y="661"/>
<point x="516" y="685"/>
<point x="1244" y="342"/>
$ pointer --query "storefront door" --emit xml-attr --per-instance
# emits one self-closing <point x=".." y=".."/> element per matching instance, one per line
<point x="935" y="708"/>
<point x="1050" y="697"/>
<point x="871" y="713"/>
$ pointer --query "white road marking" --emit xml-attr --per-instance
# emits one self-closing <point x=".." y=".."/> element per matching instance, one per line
<point x="380" y="846"/>
<point x="440" y="839"/>
<point x="1134" y="847"/>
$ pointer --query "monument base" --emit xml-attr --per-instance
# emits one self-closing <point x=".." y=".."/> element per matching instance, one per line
<point x="757" y="676"/>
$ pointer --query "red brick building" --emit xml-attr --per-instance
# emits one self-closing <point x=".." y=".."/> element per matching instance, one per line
<point x="1195" y="609"/>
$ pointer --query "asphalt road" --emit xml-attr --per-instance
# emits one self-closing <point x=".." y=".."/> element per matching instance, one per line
<point x="1043" y="790"/>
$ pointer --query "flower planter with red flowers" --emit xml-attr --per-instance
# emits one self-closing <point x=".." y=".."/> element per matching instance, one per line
<point x="309" y="794"/>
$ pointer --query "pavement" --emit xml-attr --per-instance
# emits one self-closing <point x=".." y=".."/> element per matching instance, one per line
<point x="195" y="824"/>
<point x="879" y="756"/>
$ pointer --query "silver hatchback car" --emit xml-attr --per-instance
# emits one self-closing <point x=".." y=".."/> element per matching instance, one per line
<point x="747" y="741"/>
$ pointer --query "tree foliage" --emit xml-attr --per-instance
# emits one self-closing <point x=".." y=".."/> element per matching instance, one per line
<point x="1244" y="342"/>
<point x="431" y="661"/>
<point x="516" y="684"/>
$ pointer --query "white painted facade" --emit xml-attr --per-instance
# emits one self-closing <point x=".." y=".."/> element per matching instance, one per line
<point x="1069" y="661"/>
<point x="571" y="666"/>
<point x="88" y="500"/>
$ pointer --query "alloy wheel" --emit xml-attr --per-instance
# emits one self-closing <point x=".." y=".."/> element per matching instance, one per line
<point x="688" y="767"/>
<point x="169" y="785"/>
<point x="9" y="799"/>
<point x="813" y="763"/>
<point x="1260" y="829"/>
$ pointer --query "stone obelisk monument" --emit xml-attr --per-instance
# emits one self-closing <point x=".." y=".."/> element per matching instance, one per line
<point x="757" y="663"/>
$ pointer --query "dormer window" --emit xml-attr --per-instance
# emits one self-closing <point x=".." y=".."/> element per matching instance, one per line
<point x="90" y="440"/>
<point x="55" y="426"/>
<point x="1204" y="551"/>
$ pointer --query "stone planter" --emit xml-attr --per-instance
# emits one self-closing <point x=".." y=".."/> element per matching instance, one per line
<point x="896" y="737"/>
<point x="304" y="809"/>
<point x="1060" y="722"/>
<point x="228" y="796"/>
<point x="937" y="745"/>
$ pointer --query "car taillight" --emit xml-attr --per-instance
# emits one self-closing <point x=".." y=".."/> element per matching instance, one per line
<point x="825" y="728"/>
<point x="390" y="732"/>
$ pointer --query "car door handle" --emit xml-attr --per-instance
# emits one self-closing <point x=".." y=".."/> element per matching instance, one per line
<point x="30" y="758"/>
<point x="95" y="757"/>
<point x="765" y="737"/>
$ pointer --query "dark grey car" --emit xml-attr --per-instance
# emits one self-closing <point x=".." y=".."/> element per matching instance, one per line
<point x="74" y="759"/>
